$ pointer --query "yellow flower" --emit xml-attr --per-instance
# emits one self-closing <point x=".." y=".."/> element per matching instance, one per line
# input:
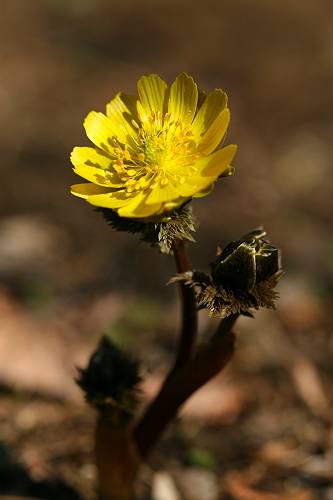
<point x="153" y="153"/>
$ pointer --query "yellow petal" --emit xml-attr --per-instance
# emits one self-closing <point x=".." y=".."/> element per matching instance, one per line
<point x="127" y="209"/>
<point x="193" y="185"/>
<point x="113" y="200"/>
<point x="87" y="189"/>
<point x="101" y="129"/>
<point x="91" y="157"/>
<point x="91" y="164"/>
<point x="214" y="135"/>
<point x="206" y="191"/>
<point x="151" y="91"/>
<point x="209" y="169"/>
<point x="208" y="112"/>
<point x="171" y="205"/>
<point x="98" y="176"/>
<point x="121" y="111"/>
<point x="137" y="207"/>
<point x="215" y="164"/>
<point x="162" y="194"/>
<point x="183" y="99"/>
<point x="144" y="210"/>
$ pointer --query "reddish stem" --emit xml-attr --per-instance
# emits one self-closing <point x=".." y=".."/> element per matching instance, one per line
<point x="189" y="322"/>
<point x="208" y="362"/>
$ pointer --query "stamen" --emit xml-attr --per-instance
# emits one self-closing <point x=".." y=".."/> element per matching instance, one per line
<point x="135" y="124"/>
<point x="127" y="154"/>
<point x="162" y="149"/>
<point x="130" y="182"/>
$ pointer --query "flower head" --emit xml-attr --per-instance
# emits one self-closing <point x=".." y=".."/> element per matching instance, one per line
<point x="154" y="152"/>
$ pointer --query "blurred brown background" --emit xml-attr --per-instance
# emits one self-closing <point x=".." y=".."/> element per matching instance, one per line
<point x="65" y="277"/>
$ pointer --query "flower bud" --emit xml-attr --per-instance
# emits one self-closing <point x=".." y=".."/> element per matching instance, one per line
<point x="246" y="262"/>
<point x="110" y="381"/>
<point x="243" y="277"/>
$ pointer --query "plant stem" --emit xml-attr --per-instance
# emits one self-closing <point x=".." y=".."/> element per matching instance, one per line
<point x="152" y="423"/>
<point x="225" y="326"/>
<point x="208" y="362"/>
<point x="116" y="460"/>
<point x="191" y="370"/>
<point x="189" y="324"/>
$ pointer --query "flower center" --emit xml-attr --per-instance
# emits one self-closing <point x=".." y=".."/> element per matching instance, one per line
<point x="163" y="152"/>
<point x="153" y="151"/>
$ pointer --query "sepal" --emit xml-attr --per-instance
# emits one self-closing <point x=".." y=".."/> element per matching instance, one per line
<point x="179" y="224"/>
